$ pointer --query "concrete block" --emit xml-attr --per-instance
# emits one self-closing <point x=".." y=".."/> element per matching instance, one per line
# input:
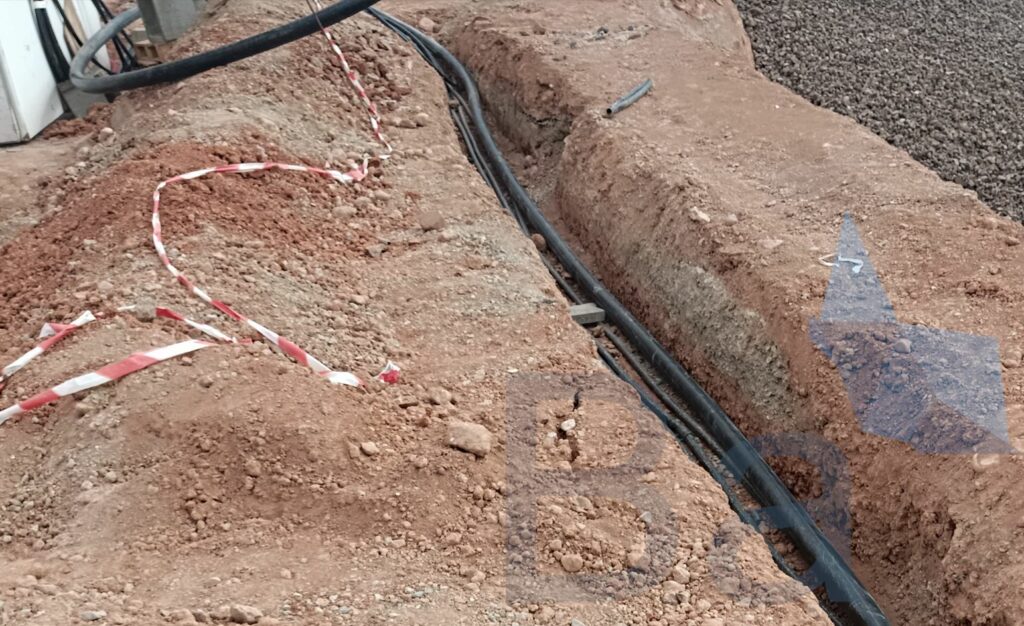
<point x="586" y="314"/>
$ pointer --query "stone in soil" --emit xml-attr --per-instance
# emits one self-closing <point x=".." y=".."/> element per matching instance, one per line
<point x="469" y="437"/>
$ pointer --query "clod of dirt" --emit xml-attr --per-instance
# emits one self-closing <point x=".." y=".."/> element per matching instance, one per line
<point x="469" y="437"/>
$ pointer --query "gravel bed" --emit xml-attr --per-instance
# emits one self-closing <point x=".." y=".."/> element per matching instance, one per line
<point x="942" y="79"/>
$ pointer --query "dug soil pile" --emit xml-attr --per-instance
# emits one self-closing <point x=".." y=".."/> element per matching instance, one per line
<point x="709" y="208"/>
<point x="234" y="485"/>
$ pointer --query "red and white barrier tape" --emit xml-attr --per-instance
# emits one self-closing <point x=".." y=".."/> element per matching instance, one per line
<point x="204" y="328"/>
<point x="353" y="79"/>
<point x="51" y="333"/>
<point x="289" y="348"/>
<point x="104" y="375"/>
<point x="141" y="360"/>
<point x="390" y="372"/>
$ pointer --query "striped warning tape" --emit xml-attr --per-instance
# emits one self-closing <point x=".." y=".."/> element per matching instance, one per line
<point x="205" y="328"/>
<point x="287" y="346"/>
<point x="357" y="86"/>
<point x="104" y="375"/>
<point x="141" y="360"/>
<point x="390" y="372"/>
<point x="51" y="333"/>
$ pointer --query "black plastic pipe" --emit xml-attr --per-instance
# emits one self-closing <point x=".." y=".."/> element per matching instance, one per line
<point x="51" y="48"/>
<point x="182" y="69"/>
<point x="842" y="586"/>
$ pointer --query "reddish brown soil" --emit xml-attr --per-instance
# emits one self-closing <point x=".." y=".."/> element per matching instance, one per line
<point x="937" y="537"/>
<point x="238" y="477"/>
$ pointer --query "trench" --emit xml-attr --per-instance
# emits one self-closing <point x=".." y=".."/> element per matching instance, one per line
<point x="551" y="141"/>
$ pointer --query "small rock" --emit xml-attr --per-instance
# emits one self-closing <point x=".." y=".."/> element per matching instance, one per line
<point x="539" y="241"/>
<point x="201" y="616"/>
<point x="242" y="614"/>
<point x="353" y="451"/>
<point x="345" y="211"/>
<point x="572" y="563"/>
<point x="440" y="396"/>
<point x="670" y="592"/>
<point x="375" y="250"/>
<point x="361" y="300"/>
<point x="145" y="312"/>
<point x="1012" y="241"/>
<point x="699" y="216"/>
<point x="567" y="425"/>
<point x="1013" y="358"/>
<point x="369" y="448"/>
<point x="431" y="220"/>
<point x="681" y="574"/>
<point x="421" y="119"/>
<point x="92" y="616"/>
<point x="902" y="346"/>
<point x="110" y="476"/>
<point x="428" y="25"/>
<point x="287" y="574"/>
<point x="181" y="616"/>
<point x="253" y="468"/>
<point x="469" y="437"/>
<point x="206" y="382"/>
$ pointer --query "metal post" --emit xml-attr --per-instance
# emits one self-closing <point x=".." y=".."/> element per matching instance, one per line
<point x="167" y="20"/>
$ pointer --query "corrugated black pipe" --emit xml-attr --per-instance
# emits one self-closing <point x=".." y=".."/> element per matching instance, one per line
<point x="842" y="586"/>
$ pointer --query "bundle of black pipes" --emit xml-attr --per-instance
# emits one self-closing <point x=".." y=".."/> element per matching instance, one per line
<point x="844" y="592"/>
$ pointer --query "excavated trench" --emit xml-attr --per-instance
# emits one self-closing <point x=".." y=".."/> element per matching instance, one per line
<point x="635" y="232"/>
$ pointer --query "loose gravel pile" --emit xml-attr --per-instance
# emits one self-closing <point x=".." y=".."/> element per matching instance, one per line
<point x="941" y="79"/>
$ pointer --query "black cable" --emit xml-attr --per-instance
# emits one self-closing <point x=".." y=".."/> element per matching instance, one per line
<point x="125" y="53"/>
<point x="182" y="69"/>
<point x="51" y="47"/>
<point x="68" y="28"/>
<point x="841" y="584"/>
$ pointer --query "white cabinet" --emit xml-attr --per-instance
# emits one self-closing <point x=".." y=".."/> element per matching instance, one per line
<point x="29" y="99"/>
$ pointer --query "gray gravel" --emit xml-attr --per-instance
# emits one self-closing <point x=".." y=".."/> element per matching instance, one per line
<point x="942" y="79"/>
